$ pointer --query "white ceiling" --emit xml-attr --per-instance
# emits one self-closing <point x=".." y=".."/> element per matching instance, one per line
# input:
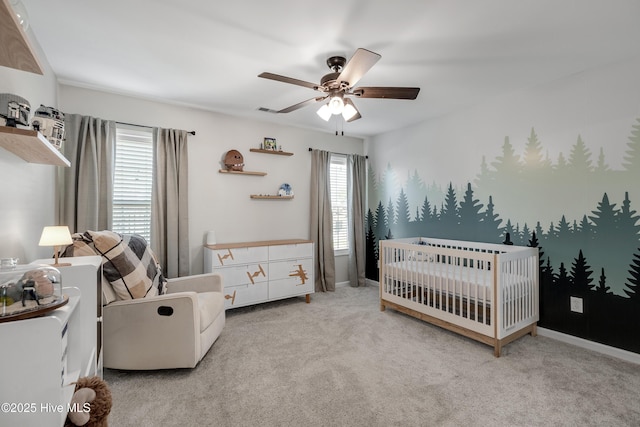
<point x="207" y="54"/>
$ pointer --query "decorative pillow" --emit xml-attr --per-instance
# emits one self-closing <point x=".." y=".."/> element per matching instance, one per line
<point x="79" y="247"/>
<point x="128" y="263"/>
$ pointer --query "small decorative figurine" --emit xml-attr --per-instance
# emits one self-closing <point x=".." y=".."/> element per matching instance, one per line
<point x="285" y="190"/>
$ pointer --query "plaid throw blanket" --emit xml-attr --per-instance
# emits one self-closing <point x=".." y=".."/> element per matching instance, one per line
<point x="128" y="263"/>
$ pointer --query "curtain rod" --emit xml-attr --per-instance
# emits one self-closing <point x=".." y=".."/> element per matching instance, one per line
<point x="193" y="132"/>
<point x="344" y="154"/>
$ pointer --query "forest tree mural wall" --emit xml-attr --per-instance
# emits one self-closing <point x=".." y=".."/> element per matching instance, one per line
<point x="592" y="255"/>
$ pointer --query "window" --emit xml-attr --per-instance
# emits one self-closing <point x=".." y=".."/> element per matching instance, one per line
<point x="132" y="181"/>
<point x="338" y="184"/>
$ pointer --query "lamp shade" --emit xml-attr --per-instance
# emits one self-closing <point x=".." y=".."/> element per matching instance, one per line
<point x="336" y="105"/>
<point x="55" y="235"/>
<point x="349" y="111"/>
<point x="324" y="112"/>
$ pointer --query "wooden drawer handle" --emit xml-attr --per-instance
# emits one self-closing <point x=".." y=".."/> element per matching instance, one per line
<point x="228" y="255"/>
<point x="256" y="274"/>
<point x="231" y="297"/>
<point x="301" y="273"/>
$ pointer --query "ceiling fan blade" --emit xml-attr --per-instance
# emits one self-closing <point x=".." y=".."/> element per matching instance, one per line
<point x="295" y="106"/>
<point x="387" y="92"/>
<point x="357" y="115"/>
<point x="302" y="104"/>
<point x="290" y="80"/>
<point x="358" y="65"/>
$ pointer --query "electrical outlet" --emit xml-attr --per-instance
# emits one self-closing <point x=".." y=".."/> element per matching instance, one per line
<point x="576" y="304"/>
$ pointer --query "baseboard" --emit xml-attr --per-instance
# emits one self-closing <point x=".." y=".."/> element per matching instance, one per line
<point x="367" y="282"/>
<point x="591" y="345"/>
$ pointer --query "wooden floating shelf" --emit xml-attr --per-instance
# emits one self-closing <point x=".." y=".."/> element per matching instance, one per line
<point x="279" y="153"/>
<point x="31" y="146"/>
<point x="243" y="172"/>
<point x="271" y="197"/>
<point x="15" y="49"/>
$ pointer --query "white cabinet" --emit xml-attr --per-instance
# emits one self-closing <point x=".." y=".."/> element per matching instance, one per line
<point x="256" y="272"/>
<point x="85" y="273"/>
<point x="43" y="356"/>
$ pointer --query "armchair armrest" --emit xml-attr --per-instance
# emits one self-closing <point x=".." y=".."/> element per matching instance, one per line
<point x="208" y="282"/>
<point x="134" y="330"/>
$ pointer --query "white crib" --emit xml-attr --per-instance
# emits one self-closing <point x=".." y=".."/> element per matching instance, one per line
<point x="487" y="292"/>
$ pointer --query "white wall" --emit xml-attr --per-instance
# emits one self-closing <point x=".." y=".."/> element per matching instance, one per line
<point x="599" y="105"/>
<point x="219" y="201"/>
<point x="27" y="190"/>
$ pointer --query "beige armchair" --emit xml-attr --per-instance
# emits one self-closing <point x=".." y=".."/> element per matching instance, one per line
<point x="174" y="330"/>
<point x="148" y="323"/>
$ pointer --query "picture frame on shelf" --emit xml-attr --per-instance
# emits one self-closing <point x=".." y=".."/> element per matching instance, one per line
<point x="269" y="144"/>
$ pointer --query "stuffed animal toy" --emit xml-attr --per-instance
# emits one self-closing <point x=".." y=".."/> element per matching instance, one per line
<point x="234" y="160"/>
<point x="90" y="404"/>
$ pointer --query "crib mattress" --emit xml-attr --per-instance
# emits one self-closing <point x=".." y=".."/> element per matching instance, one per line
<point x="456" y="280"/>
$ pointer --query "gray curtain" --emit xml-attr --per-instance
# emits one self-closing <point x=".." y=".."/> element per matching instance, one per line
<point x="322" y="222"/>
<point x="85" y="190"/>
<point x="356" y="181"/>
<point x="170" y="203"/>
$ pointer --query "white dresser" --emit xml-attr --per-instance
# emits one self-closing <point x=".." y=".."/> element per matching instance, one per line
<point x="42" y="357"/>
<point x="256" y="272"/>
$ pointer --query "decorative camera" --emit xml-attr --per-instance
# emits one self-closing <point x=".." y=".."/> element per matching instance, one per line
<point x="49" y="122"/>
<point x="14" y="109"/>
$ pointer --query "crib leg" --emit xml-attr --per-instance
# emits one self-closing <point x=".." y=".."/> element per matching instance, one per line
<point x="534" y="330"/>
<point x="382" y="307"/>
<point x="497" y="348"/>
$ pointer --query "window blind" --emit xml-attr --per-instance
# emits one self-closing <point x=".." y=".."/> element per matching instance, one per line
<point x="338" y="188"/>
<point x="133" y="178"/>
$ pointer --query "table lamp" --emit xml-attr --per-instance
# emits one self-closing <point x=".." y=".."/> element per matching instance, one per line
<point x="56" y="236"/>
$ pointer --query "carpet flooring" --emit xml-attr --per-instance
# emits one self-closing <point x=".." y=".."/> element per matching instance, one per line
<point x="340" y="361"/>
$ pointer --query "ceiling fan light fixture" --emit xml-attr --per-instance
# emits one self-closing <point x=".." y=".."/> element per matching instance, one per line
<point x="348" y="112"/>
<point x="336" y="105"/>
<point x="324" y="112"/>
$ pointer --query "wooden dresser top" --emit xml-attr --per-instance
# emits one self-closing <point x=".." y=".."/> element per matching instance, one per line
<point x="253" y="244"/>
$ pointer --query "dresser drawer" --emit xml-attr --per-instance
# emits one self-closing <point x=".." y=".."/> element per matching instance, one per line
<point x="238" y="296"/>
<point x="293" y="269"/>
<point x="292" y="277"/>
<point x="215" y="258"/>
<point x="297" y="250"/>
<point x="244" y="274"/>
<point x="284" y="288"/>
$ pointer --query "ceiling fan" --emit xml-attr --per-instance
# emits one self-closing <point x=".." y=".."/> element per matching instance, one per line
<point x="338" y="87"/>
